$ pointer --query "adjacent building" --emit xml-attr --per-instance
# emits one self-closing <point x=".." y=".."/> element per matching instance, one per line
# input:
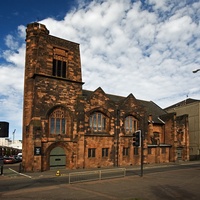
<point x="10" y="147"/>
<point x="191" y="107"/>
<point x="67" y="126"/>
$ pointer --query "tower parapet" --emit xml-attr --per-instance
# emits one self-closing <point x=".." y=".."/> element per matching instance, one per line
<point x="36" y="28"/>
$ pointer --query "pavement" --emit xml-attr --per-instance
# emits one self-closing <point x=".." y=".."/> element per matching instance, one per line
<point x="14" y="171"/>
<point x="180" y="184"/>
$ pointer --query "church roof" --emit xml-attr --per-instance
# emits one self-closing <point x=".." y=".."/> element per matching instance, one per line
<point x="150" y="107"/>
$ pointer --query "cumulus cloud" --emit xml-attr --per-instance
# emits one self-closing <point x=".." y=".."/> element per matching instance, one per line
<point x="124" y="42"/>
<point x="149" y="49"/>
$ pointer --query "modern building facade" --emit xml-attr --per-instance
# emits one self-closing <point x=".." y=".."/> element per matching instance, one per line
<point x="67" y="126"/>
<point x="191" y="107"/>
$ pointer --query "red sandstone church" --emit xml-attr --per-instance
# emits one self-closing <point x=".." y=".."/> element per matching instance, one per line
<point x="66" y="126"/>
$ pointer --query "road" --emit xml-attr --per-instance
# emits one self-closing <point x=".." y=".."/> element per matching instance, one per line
<point x="174" y="182"/>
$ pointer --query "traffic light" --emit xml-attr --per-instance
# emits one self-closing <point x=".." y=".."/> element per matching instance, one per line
<point x="137" y="138"/>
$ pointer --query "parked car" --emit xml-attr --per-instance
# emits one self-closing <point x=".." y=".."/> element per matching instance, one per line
<point x="9" y="160"/>
<point x="17" y="158"/>
<point x="20" y="155"/>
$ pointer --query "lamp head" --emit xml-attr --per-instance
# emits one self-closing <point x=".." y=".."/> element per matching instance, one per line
<point x="195" y="71"/>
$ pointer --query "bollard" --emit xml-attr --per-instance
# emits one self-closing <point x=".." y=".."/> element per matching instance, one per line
<point x="58" y="173"/>
<point x="20" y="167"/>
<point x="1" y="170"/>
<point x="1" y="164"/>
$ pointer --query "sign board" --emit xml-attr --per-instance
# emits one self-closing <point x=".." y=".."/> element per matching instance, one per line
<point x="37" y="151"/>
<point x="4" y="129"/>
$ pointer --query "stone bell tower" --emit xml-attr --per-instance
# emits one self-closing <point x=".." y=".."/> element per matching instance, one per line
<point x="52" y="78"/>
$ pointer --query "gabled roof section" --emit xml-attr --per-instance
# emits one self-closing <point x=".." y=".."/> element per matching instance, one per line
<point x="130" y="97"/>
<point x="89" y="94"/>
<point x="182" y="103"/>
<point x="99" y="89"/>
<point x="150" y="107"/>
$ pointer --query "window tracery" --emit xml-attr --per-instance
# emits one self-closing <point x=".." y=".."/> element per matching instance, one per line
<point x="131" y="124"/>
<point x="97" y="122"/>
<point x="57" y="122"/>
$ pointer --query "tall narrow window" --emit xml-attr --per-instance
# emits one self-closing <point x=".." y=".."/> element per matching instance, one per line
<point x="97" y="122"/>
<point x="57" y="122"/>
<point x="104" y="152"/>
<point x="54" y="73"/>
<point x="149" y="151"/>
<point x="136" y="151"/>
<point x="64" y="70"/>
<point x="125" y="151"/>
<point x="131" y="124"/>
<point x="59" y="68"/>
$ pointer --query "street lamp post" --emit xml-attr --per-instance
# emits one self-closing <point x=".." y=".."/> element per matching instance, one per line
<point x="195" y="71"/>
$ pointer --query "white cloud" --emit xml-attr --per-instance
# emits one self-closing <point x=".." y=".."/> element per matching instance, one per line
<point x="126" y="47"/>
<point x="22" y="31"/>
<point x="10" y="42"/>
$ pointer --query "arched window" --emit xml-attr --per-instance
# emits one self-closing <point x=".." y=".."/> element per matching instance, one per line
<point x="131" y="124"/>
<point x="57" y="122"/>
<point x="97" y="122"/>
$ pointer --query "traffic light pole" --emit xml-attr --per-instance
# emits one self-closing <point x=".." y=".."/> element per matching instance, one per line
<point x="142" y="152"/>
<point x="138" y="141"/>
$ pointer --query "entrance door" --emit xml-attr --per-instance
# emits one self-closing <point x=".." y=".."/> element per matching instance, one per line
<point x="179" y="154"/>
<point x="57" y="158"/>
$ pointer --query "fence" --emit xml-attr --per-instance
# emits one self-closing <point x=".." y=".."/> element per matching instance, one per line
<point x="96" y="175"/>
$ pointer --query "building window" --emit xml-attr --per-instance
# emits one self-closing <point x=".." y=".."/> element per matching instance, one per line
<point x="131" y="124"/>
<point x="58" y="122"/>
<point x="98" y="122"/>
<point x="149" y="151"/>
<point x="136" y="152"/>
<point x="104" y="152"/>
<point x="91" y="153"/>
<point x="125" y="151"/>
<point x="163" y="150"/>
<point x="155" y="140"/>
<point x="59" y="68"/>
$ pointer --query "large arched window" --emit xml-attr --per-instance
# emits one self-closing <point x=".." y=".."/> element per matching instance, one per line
<point x="57" y="122"/>
<point x="97" y="122"/>
<point x="131" y="124"/>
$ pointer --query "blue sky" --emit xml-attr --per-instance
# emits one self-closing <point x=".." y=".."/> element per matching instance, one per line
<point x="147" y="48"/>
<point x="23" y="12"/>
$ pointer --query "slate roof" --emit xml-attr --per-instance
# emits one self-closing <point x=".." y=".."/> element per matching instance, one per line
<point x="150" y="107"/>
<point x="154" y="110"/>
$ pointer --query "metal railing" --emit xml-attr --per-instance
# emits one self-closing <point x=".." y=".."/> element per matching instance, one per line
<point x="96" y="175"/>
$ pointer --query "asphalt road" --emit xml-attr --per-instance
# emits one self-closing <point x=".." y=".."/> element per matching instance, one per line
<point x="170" y="182"/>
